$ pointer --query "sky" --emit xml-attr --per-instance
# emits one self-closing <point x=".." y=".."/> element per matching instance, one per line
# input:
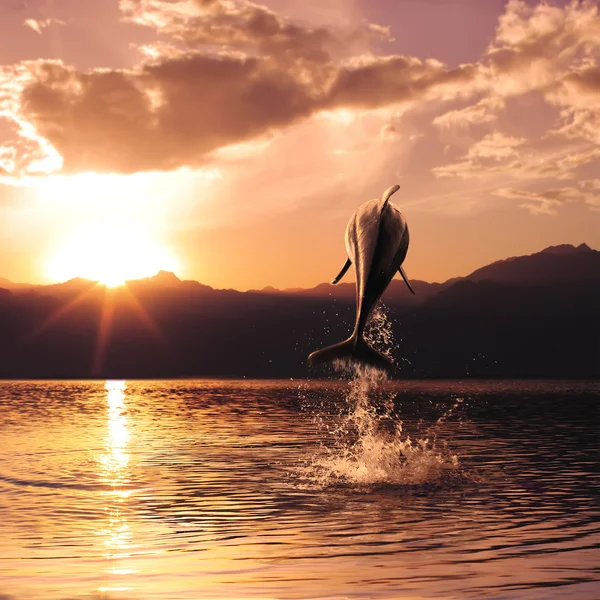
<point x="231" y="141"/>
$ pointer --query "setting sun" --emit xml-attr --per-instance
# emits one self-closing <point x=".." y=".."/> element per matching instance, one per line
<point x="110" y="254"/>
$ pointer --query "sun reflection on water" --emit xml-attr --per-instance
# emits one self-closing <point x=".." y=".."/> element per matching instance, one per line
<point x="116" y="532"/>
<point x="117" y="458"/>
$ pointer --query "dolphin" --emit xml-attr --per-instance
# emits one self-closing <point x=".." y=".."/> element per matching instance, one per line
<point x="376" y="243"/>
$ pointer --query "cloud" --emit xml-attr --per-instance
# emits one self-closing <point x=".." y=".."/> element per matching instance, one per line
<point x="495" y="146"/>
<point x="7" y="159"/>
<point x="535" y="45"/>
<point x="38" y="25"/>
<point x="536" y="48"/>
<point x="245" y="74"/>
<point x="373" y="82"/>
<point x="247" y="26"/>
<point x="546" y="54"/>
<point x="494" y="153"/>
<point x="485" y="111"/>
<point x="164" y="115"/>
<point x="227" y="72"/>
<point x="547" y="201"/>
<point x="24" y="149"/>
<point x="520" y="161"/>
<point x="591" y="189"/>
<point x="578" y="97"/>
<point x="541" y="202"/>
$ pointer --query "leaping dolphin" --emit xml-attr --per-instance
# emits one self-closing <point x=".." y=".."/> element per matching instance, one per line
<point x="377" y="243"/>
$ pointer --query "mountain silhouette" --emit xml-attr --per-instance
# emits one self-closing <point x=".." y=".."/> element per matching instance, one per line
<point x="528" y="316"/>
<point x="11" y="285"/>
<point x="556" y="264"/>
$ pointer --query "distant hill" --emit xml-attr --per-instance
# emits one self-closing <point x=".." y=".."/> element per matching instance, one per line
<point x="11" y="285"/>
<point x="556" y="264"/>
<point x="564" y="263"/>
<point x="528" y="316"/>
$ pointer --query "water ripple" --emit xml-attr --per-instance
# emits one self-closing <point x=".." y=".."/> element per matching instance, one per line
<point x="181" y="490"/>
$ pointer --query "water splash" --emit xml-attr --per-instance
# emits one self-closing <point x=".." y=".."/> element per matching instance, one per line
<point x="368" y="445"/>
<point x="379" y="333"/>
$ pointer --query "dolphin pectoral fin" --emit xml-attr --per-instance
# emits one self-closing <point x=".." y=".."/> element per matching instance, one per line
<point x="342" y="272"/>
<point x="405" y="279"/>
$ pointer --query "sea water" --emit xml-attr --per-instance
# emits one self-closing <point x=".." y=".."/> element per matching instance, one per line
<point x="357" y="488"/>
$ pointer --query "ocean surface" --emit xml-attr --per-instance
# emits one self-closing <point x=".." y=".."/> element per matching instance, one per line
<point x="359" y="488"/>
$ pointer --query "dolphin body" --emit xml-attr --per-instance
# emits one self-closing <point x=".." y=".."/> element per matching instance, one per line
<point x="377" y="243"/>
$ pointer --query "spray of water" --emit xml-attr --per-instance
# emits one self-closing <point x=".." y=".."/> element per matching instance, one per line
<point x="379" y="333"/>
<point x="367" y="445"/>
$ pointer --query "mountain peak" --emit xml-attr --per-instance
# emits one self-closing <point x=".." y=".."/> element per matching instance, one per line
<point x="73" y="283"/>
<point x="556" y="264"/>
<point x="566" y="249"/>
<point x="164" y="278"/>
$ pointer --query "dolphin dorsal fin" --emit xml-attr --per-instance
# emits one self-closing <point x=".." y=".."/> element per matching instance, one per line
<point x="387" y="195"/>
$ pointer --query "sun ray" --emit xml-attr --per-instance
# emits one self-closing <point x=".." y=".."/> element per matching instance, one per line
<point x="113" y="298"/>
<point x="104" y="331"/>
<point x="141" y="312"/>
<point x="60" y="313"/>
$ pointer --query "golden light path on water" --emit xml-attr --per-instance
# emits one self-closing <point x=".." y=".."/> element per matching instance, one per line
<point x="116" y="533"/>
<point x="129" y="544"/>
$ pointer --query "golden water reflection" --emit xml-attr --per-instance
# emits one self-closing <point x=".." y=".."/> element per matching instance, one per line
<point x="116" y="532"/>
<point x="189" y="490"/>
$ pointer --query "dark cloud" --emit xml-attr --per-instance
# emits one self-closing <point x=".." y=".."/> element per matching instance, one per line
<point x="163" y="116"/>
<point x="240" y="72"/>
<point x="388" y="80"/>
<point x="249" y="27"/>
<point x="587" y="81"/>
<point x="176" y="110"/>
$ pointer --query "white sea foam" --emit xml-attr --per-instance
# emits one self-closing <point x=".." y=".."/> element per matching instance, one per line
<point x="367" y="444"/>
<point x="370" y="447"/>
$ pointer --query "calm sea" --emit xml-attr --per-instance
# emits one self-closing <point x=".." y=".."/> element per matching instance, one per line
<point x="287" y="489"/>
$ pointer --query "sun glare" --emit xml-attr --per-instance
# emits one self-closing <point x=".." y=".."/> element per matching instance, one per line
<point x="110" y="254"/>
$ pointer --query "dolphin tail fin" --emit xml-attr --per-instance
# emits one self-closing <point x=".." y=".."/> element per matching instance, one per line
<point x="387" y="195"/>
<point x="342" y="272"/>
<point x="405" y="279"/>
<point x="347" y="352"/>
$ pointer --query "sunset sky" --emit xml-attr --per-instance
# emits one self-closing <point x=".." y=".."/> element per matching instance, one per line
<point x="231" y="141"/>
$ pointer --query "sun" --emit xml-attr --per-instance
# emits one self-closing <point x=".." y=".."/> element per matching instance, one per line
<point x="110" y="254"/>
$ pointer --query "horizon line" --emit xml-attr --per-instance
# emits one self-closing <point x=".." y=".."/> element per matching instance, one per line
<point x="99" y="283"/>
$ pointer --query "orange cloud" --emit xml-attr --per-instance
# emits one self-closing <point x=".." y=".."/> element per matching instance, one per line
<point x="234" y="72"/>
<point x="247" y="26"/>
<point x="536" y="48"/>
<point x="184" y="104"/>
<point x="546" y="202"/>
<point x="166" y="114"/>
<point x="484" y="111"/>
<point x="38" y="25"/>
<point x="518" y="161"/>
<point x="495" y="146"/>
<point x="578" y="97"/>
<point x="549" y="51"/>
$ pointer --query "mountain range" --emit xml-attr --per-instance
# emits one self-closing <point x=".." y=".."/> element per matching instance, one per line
<point x="527" y="316"/>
